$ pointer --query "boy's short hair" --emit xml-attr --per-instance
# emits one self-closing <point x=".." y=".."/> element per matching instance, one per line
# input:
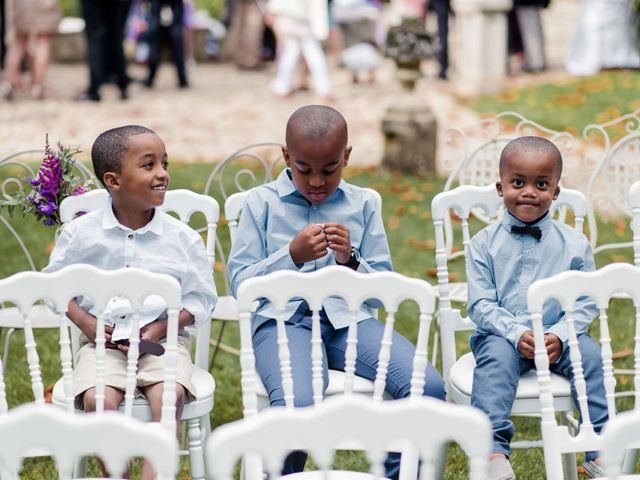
<point x="108" y="149"/>
<point x="315" y="122"/>
<point x="531" y="143"/>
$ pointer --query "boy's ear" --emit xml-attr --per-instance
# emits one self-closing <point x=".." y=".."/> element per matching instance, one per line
<point x="111" y="180"/>
<point x="499" y="188"/>
<point x="556" y="192"/>
<point x="285" y="155"/>
<point x="347" y="153"/>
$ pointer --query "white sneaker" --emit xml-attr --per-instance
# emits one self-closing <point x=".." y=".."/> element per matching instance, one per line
<point x="500" y="469"/>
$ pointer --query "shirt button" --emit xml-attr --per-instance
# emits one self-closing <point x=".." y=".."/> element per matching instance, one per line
<point x="130" y="236"/>
<point x="127" y="265"/>
<point x="524" y="282"/>
<point x="521" y="314"/>
<point x="528" y="252"/>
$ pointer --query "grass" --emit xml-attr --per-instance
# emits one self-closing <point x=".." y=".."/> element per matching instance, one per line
<point x="572" y="103"/>
<point x="406" y="207"/>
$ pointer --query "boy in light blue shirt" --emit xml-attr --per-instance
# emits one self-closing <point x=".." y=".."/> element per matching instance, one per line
<point x="305" y="220"/>
<point x="502" y="262"/>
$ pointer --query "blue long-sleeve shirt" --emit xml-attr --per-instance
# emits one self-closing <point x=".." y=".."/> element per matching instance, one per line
<point x="273" y="215"/>
<point x="501" y="266"/>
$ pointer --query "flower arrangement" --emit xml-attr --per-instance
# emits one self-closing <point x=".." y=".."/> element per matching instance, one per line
<point x="54" y="182"/>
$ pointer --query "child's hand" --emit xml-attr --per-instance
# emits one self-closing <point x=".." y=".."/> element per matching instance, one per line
<point x="154" y="331"/>
<point x="525" y="345"/>
<point x="309" y="244"/>
<point x="338" y="241"/>
<point x="554" y="346"/>
<point x="88" y="324"/>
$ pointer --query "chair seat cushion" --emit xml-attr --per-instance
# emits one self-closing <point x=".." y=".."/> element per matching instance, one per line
<point x="331" y="475"/>
<point x="40" y="316"/>
<point x="461" y="380"/>
<point x="336" y="385"/>
<point x="226" y="308"/>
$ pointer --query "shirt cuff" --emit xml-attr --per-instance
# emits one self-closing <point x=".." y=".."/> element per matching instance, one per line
<point x="561" y="332"/>
<point x="515" y="332"/>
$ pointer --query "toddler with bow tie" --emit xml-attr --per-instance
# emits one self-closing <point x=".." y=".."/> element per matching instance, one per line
<point x="503" y="259"/>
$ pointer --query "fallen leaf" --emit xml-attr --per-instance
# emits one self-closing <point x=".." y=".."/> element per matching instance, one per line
<point x="394" y="223"/>
<point x="49" y="248"/>
<point x="48" y="394"/>
<point x="223" y="220"/>
<point x="427" y="187"/>
<point x="413" y="209"/>
<point x="396" y="175"/>
<point x="623" y="380"/>
<point x="412" y="196"/>
<point x="401" y="210"/>
<point x="618" y="258"/>
<point x="426" y="215"/>
<point x="433" y="272"/>
<point x="426" y="245"/>
<point x="626" y="352"/>
<point x="399" y="187"/>
<point x="410" y="241"/>
<point x="219" y="267"/>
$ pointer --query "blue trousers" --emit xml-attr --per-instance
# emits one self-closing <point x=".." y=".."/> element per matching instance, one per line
<point x="498" y="370"/>
<point x="334" y="346"/>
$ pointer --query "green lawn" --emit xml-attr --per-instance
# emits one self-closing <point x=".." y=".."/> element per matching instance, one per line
<point x="572" y="103"/>
<point x="406" y="207"/>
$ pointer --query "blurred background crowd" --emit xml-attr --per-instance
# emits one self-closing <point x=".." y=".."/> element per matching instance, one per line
<point x="295" y="33"/>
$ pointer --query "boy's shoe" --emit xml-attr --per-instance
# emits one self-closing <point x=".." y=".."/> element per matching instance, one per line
<point x="500" y="469"/>
<point x="593" y="470"/>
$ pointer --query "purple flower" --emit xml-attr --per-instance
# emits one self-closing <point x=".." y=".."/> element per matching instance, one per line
<point x="48" y="222"/>
<point x="48" y="209"/>
<point x="79" y="190"/>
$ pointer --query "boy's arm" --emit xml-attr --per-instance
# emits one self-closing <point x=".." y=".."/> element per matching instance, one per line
<point x="483" y="307"/>
<point x="157" y="329"/>
<point x="63" y="250"/>
<point x="374" y="247"/>
<point x="248" y="257"/>
<point x="585" y="308"/>
<point x="87" y="323"/>
<point x="199" y="294"/>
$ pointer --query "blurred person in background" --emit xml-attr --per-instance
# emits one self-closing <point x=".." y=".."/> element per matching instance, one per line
<point x="606" y="37"/>
<point x="300" y="27"/>
<point x="166" y="16"/>
<point x="530" y="26"/>
<point x="27" y="18"/>
<point x="105" y="22"/>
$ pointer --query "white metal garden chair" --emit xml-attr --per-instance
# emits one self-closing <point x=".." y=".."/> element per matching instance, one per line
<point x="185" y="204"/>
<point x="616" y="169"/>
<point x="112" y="436"/>
<point x="240" y="171"/>
<point x="19" y="166"/>
<point x="389" y="288"/>
<point x="566" y="288"/>
<point x="458" y="370"/>
<point x="375" y="427"/>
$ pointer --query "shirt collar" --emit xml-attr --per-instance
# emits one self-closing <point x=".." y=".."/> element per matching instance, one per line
<point x="110" y="221"/>
<point x="508" y="219"/>
<point x="285" y="185"/>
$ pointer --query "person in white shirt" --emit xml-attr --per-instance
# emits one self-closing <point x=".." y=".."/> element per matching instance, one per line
<point x="131" y="162"/>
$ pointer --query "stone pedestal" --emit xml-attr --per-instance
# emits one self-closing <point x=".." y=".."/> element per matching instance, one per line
<point x="409" y="127"/>
<point x="481" y="46"/>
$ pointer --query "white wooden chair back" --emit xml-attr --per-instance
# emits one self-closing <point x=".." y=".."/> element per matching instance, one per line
<point x="185" y="204"/>
<point x="232" y="208"/>
<point x="374" y="426"/>
<point x="111" y="436"/>
<point x="620" y="434"/>
<point x="634" y="203"/>
<point x="389" y="288"/>
<point x="26" y="288"/>
<point x="566" y="288"/>
<point x="617" y="168"/>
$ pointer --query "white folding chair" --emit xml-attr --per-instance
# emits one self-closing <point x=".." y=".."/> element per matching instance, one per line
<point x="239" y="172"/>
<point x="621" y="433"/>
<point x="19" y="166"/>
<point x="185" y="204"/>
<point x="566" y="288"/>
<point x="616" y="169"/>
<point x="375" y="427"/>
<point x="634" y="203"/>
<point x="458" y="370"/>
<point x="112" y="436"/>
<point x="389" y="288"/>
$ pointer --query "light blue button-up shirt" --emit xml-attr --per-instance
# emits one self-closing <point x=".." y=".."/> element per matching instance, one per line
<point x="501" y="266"/>
<point x="164" y="245"/>
<point x="273" y="215"/>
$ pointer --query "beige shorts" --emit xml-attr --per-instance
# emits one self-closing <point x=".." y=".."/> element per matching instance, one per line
<point x="150" y="369"/>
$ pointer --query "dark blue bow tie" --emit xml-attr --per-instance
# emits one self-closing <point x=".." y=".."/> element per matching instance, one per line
<point x="535" y="232"/>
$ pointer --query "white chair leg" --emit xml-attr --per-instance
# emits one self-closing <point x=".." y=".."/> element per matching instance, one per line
<point x="196" y="451"/>
<point x="80" y="468"/>
<point x="630" y="458"/>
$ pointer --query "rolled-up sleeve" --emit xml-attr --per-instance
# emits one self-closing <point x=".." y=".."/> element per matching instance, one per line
<point x="199" y="294"/>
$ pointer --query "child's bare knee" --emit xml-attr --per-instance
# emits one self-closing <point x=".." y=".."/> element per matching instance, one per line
<point x="111" y="400"/>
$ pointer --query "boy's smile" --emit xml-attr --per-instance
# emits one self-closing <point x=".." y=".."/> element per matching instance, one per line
<point x="316" y="164"/>
<point x="529" y="183"/>
<point x="143" y="179"/>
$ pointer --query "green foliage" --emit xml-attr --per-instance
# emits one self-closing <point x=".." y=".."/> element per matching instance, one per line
<point x="71" y="8"/>
<point x="571" y="103"/>
<point x="406" y="213"/>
